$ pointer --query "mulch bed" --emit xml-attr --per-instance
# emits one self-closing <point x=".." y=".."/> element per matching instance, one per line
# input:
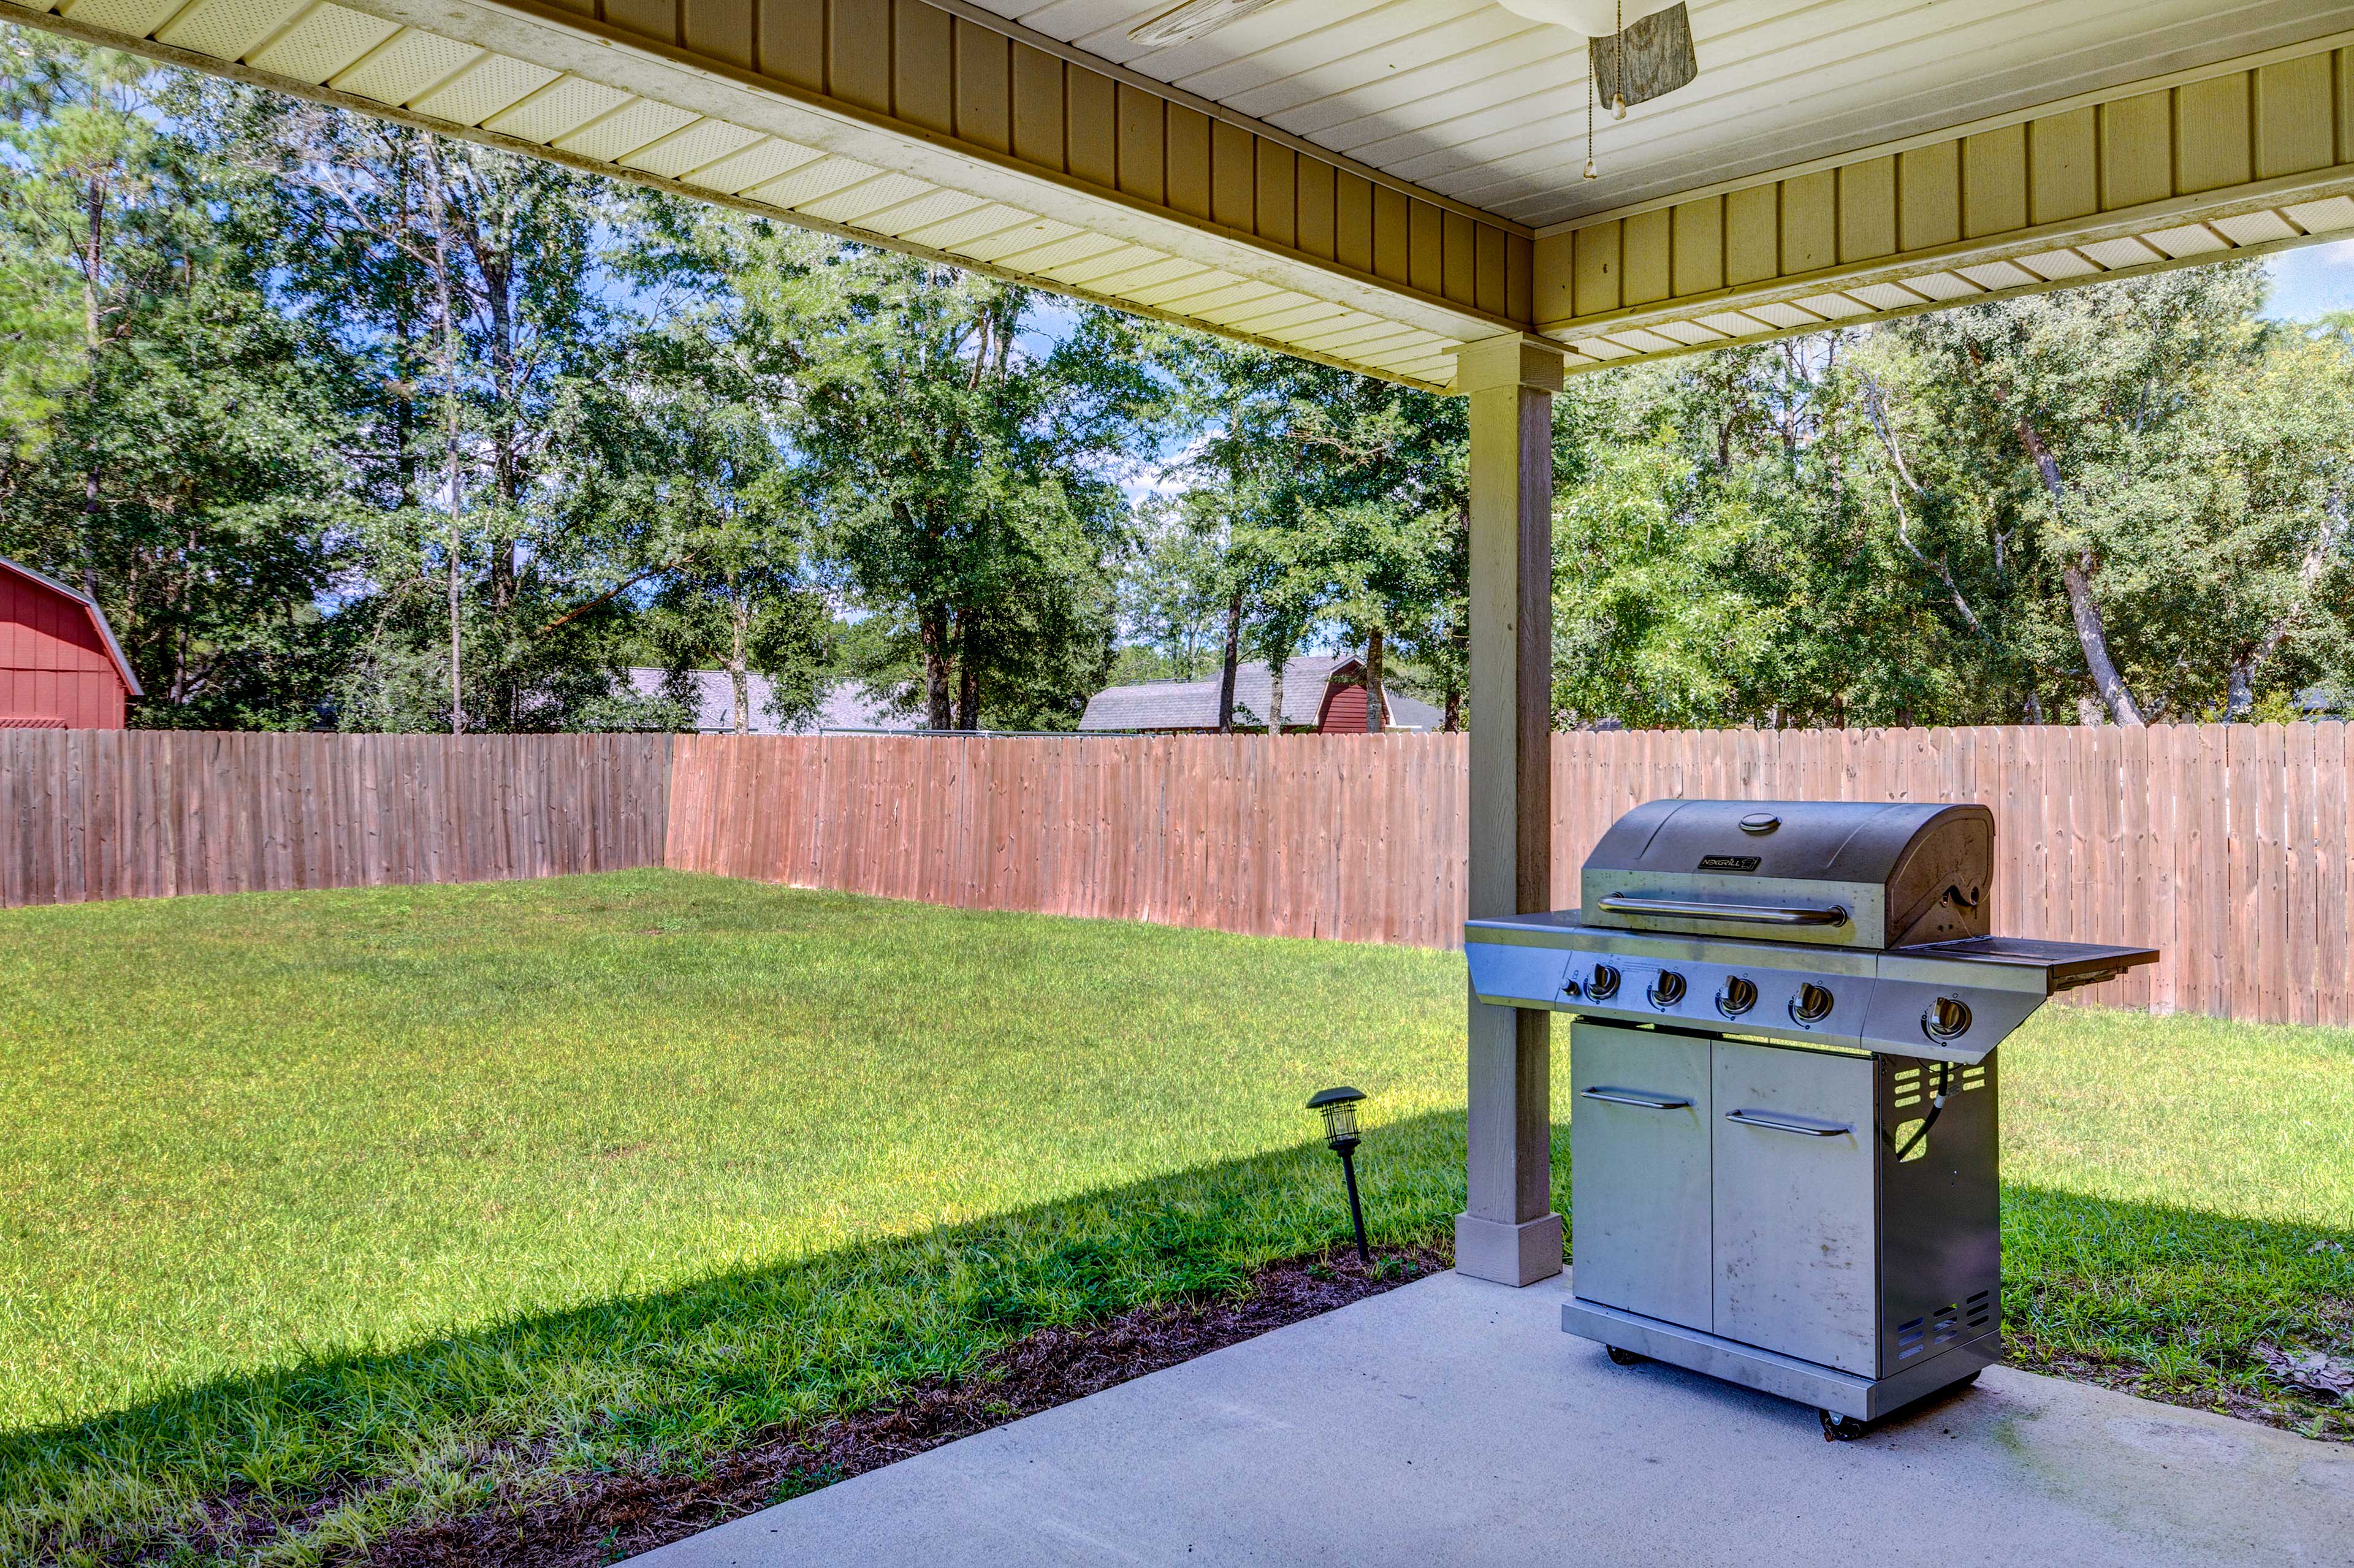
<point x="603" y="1519"/>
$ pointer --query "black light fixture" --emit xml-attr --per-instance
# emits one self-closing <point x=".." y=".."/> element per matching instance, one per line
<point x="1339" y="1109"/>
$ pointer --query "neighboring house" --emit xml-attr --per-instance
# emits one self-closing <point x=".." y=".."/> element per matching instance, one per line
<point x="61" y="667"/>
<point x="846" y="706"/>
<point x="2326" y="701"/>
<point x="1325" y="693"/>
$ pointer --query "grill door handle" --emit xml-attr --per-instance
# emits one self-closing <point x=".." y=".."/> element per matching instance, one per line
<point x="1712" y="909"/>
<point x="1803" y="1129"/>
<point x="1635" y="1098"/>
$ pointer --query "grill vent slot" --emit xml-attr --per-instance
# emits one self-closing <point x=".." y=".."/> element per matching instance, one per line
<point x="1946" y="1324"/>
<point x="1908" y="1339"/>
<point x="1980" y="1310"/>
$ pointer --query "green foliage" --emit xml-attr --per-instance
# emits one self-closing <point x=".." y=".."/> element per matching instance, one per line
<point x="1855" y="528"/>
<point x="1651" y="622"/>
<point x="960" y="473"/>
<point x="343" y="423"/>
<point x="2197" y="465"/>
<point x="1316" y="504"/>
<point x="346" y="423"/>
<point x="677" y="464"/>
<point x="167" y="439"/>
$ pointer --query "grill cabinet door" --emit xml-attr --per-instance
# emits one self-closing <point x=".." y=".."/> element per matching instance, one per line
<point x="1794" y="1172"/>
<point x="1639" y="1172"/>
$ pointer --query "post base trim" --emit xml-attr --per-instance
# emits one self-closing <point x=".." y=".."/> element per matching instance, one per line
<point x="1519" y="1254"/>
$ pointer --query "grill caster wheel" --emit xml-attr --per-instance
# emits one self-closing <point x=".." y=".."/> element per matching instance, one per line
<point x="1623" y="1358"/>
<point x="1841" y="1428"/>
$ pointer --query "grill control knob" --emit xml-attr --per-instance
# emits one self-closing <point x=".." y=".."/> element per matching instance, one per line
<point x="1812" y="1005"/>
<point x="1947" y="1017"/>
<point x="1737" y="997"/>
<point x="1667" y="990"/>
<point x="1605" y="983"/>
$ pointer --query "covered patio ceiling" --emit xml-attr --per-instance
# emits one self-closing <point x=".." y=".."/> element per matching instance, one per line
<point x="1374" y="183"/>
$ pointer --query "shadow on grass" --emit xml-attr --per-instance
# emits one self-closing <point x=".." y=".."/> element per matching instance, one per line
<point x="325" y="1457"/>
<point x="336" y="1450"/>
<point x="2171" y="1302"/>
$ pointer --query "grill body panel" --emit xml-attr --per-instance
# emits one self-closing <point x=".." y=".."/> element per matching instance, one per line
<point x="1643" y="1212"/>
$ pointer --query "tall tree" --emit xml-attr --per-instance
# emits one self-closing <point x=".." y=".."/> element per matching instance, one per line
<point x="965" y="482"/>
<point x="169" y="439"/>
<point x="678" y="477"/>
<point x="470" y="278"/>
<point x="2149" y="459"/>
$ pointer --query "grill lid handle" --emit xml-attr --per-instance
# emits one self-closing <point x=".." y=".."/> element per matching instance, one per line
<point x="1717" y="909"/>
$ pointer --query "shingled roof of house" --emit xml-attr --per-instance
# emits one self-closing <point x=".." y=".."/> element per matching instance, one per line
<point x="1193" y="705"/>
<point x="846" y="706"/>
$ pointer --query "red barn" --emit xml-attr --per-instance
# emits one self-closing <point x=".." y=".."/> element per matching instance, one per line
<point x="61" y="667"/>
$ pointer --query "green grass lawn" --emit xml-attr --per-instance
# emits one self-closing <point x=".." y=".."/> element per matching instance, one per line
<point x="329" y="1210"/>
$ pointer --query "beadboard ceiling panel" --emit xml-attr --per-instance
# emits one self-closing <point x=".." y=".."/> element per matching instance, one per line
<point x="1472" y="102"/>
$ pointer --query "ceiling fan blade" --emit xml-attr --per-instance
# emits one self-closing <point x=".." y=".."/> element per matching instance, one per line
<point x="1192" y="19"/>
<point x="1652" y="57"/>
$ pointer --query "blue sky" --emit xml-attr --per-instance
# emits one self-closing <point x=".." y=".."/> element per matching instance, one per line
<point x="2310" y="280"/>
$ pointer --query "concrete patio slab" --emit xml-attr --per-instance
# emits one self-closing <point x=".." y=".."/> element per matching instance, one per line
<point x="1451" y="1421"/>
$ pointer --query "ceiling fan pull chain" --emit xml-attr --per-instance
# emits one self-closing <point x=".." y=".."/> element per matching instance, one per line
<point x="1619" y="66"/>
<point x="1593" y="88"/>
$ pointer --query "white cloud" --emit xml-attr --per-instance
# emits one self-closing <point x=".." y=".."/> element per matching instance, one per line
<point x="2310" y="280"/>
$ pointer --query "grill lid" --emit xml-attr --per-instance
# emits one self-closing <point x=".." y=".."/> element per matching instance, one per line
<point x="1833" y="872"/>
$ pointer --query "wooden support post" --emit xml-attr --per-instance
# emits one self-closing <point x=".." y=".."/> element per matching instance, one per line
<point x="1508" y="1231"/>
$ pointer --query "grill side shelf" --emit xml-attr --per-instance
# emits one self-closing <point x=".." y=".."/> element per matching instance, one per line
<point x="2064" y="966"/>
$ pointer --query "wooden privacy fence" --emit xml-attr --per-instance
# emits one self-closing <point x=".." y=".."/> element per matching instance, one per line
<point x="2224" y="845"/>
<point x="143" y="813"/>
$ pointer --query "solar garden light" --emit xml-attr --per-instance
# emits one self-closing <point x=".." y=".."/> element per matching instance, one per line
<point x="1339" y="1109"/>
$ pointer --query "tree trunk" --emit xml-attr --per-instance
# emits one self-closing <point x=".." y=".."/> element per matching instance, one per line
<point x="1376" y="704"/>
<point x="1274" y="696"/>
<point x="1232" y="658"/>
<point x="2095" y="637"/>
<point x="93" y="255"/>
<point x="2091" y="634"/>
<point x="968" y="694"/>
<point x="452" y="479"/>
<point x="739" y="678"/>
<point x="497" y="269"/>
<point x="935" y="633"/>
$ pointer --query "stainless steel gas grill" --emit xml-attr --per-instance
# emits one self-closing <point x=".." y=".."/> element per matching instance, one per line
<point x="1783" y="1144"/>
